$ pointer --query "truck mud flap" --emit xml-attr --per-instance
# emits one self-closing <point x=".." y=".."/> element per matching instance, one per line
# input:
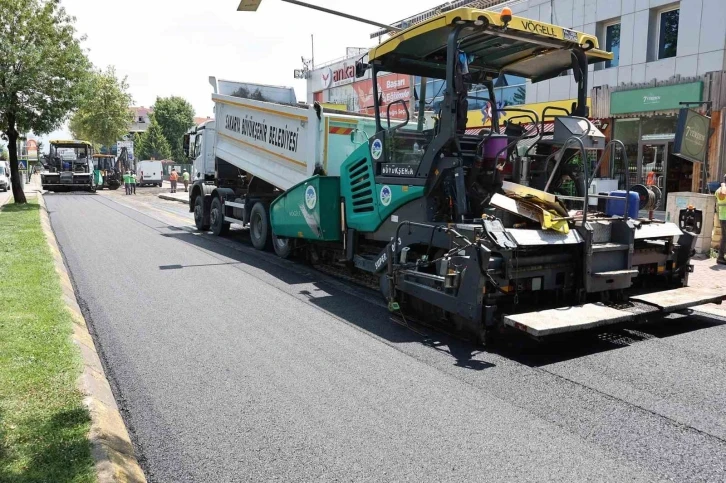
<point x="589" y="316"/>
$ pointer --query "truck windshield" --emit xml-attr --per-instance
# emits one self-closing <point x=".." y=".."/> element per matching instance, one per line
<point x="2" y="170"/>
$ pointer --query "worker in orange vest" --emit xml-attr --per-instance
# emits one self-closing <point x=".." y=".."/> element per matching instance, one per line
<point x="721" y="207"/>
<point x="173" y="178"/>
<point x="650" y="181"/>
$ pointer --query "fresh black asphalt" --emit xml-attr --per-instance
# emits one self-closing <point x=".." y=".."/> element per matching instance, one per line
<point x="232" y="365"/>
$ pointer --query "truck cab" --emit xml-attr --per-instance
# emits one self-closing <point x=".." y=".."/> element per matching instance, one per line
<point x="198" y="146"/>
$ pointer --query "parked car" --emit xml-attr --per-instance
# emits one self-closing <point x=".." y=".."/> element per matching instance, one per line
<point x="148" y="173"/>
<point x="4" y="176"/>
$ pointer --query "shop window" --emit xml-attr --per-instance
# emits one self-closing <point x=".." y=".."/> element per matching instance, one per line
<point x="627" y="131"/>
<point x="668" y="33"/>
<point x="612" y="43"/>
<point x="659" y="128"/>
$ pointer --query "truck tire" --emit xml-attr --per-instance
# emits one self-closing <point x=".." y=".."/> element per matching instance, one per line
<point x="216" y="215"/>
<point x="260" y="232"/>
<point x="282" y="246"/>
<point x="199" y="214"/>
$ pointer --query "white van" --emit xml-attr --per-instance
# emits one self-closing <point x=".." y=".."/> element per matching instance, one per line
<point x="4" y="176"/>
<point x="148" y="173"/>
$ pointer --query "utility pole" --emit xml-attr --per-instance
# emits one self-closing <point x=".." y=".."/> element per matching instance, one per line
<point x="312" y="45"/>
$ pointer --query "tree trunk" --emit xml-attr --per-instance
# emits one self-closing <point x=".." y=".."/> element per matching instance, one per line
<point x="15" y="178"/>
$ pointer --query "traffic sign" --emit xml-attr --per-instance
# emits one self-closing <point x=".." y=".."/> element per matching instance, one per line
<point x="22" y="166"/>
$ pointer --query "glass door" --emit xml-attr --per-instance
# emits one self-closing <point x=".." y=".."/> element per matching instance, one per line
<point x="653" y="164"/>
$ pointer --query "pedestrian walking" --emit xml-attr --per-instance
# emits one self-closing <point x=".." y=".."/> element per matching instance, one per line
<point x="133" y="182"/>
<point x="173" y="178"/>
<point x="721" y="205"/>
<point x="127" y="182"/>
<point x="185" y="179"/>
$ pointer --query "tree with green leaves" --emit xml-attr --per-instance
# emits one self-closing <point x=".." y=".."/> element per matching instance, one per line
<point x="520" y="96"/>
<point x="43" y="72"/>
<point x="175" y="116"/>
<point x="152" y="144"/>
<point x="104" y="115"/>
<point x="3" y="153"/>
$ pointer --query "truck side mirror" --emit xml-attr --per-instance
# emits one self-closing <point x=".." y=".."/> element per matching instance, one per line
<point x="185" y="145"/>
<point x="360" y="69"/>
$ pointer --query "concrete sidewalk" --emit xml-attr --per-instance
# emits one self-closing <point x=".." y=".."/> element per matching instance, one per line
<point x="180" y="196"/>
<point x="708" y="274"/>
<point x="31" y="190"/>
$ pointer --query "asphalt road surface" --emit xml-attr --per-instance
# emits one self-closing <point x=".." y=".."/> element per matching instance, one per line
<point x="233" y="365"/>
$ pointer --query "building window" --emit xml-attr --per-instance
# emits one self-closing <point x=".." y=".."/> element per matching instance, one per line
<point x="668" y="33"/>
<point x="612" y="44"/>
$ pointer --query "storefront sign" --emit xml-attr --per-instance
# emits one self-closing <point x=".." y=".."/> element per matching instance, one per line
<point x="655" y="98"/>
<point x="337" y="75"/>
<point x="391" y="88"/>
<point x="692" y="135"/>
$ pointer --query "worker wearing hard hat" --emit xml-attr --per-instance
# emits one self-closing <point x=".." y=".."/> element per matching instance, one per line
<point x="721" y="207"/>
<point x="185" y="179"/>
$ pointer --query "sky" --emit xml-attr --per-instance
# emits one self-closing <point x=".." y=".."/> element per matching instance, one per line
<point x="171" y="47"/>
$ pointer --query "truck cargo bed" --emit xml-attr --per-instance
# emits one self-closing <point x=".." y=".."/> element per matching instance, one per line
<point x="282" y="144"/>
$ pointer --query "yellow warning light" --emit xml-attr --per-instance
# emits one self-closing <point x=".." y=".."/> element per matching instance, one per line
<point x="506" y="15"/>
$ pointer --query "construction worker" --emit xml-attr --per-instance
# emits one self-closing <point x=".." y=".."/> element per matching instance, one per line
<point x="173" y="178"/>
<point x="721" y="206"/>
<point x="185" y="179"/>
<point x="133" y="182"/>
<point x="127" y="182"/>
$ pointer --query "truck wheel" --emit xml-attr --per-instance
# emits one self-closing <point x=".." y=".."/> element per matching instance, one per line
<point x="260" y="227"/>
<point x="282" y="246"/>
<point x="216" y="216"/>
<point x="199" y="214"/>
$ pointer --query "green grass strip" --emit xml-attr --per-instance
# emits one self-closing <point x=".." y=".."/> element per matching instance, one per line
<point x="43" y="423"/>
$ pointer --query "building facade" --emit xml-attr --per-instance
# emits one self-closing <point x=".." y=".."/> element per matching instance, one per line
<point x="141" y="119"/>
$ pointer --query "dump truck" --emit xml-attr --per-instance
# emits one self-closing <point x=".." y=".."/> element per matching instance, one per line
<point x="70" y="167"/>
<point x="463" y="231"/>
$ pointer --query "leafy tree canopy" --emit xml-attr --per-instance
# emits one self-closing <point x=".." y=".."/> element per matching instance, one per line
<point x="43" y="70"/>
<point x="104" y="115"/>
<point x="152" y="144"/>
<point x="175" y="116"/>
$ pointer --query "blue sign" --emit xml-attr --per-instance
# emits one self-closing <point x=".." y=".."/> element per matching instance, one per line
<point x="22" y="166"/>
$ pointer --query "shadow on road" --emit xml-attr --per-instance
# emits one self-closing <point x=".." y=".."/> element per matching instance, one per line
<point x="364" y="309"/>
<point x="356" y="305"/>
<point x="577" y="345"/>
<point x="69" y="193"/>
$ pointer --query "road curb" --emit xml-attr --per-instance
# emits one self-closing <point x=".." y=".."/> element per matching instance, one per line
<point x="111" y="445"/>
<point x="171" y="198"/>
